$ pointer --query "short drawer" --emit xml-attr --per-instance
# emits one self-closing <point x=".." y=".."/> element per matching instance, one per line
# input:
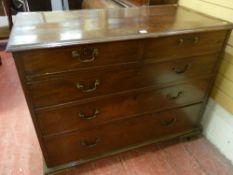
<point x="184" y="45"/>
<point x="75" y="117"/>
<point x="91" y="84"/>
<point x="49" y="61"/>
<point x="106" y="138"/>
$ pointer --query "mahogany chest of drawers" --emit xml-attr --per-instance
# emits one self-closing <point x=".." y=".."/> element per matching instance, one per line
<point x="99" y="82"/>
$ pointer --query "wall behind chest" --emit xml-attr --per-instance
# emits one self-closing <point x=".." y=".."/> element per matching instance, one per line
<point x="218" y="121"/>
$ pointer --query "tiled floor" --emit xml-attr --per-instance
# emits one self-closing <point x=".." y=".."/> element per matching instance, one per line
<point x="20" y="153"/>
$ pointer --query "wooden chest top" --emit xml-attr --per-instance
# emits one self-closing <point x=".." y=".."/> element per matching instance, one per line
<point x="34" y="30"/>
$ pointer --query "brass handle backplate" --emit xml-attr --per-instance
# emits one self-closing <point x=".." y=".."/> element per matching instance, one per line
<point x="174" y="96"/>
<point x="90" y="117"/>
<point x="83" y="89"/>
<point x="188" y="40"/>
<point x="84" y="56"/>
<point x="168" y="122"/>
<point x="181" y="70"/>
<point x="91" y="144"/>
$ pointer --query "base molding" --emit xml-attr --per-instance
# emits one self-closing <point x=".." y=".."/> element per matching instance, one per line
<point x="218" y="128"/>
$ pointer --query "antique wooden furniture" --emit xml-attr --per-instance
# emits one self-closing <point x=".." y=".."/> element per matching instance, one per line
<point x="99" y="82"/>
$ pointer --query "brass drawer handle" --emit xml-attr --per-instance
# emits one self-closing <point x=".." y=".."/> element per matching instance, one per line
<point x="174" y="97"/>
<point x="168" y="122"/>
<point x="181" y="70"/>
<point x="190" y="40"/>
<point x="83" y="116"/>
<point x="82" y="88"/>
<point x="91" y="144"/>
<point x="76" y="54"/>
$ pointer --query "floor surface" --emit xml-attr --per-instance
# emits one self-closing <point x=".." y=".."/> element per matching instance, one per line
<point x="20" y="152"/>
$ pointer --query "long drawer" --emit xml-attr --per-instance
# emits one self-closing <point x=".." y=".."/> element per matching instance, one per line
<point x="86" y="115"/>
<point x="105" y="138"/>
<point x="48" y="61"/>
<point x="184" y="45"/>
<point x="73" y="87"/>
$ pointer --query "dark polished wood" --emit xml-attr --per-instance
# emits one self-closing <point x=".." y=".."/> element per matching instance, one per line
<point x="68" y="118"/>
<point x="108" y="25"/>
<point x="87" y="56"/>
<point x="103" y="81"/>
<point x="106" y="138"/>
<point x="52" y="92"/>
<point x="39" y="5"/>
<point x="105" y="54"/>
<point x="184" y="45"/>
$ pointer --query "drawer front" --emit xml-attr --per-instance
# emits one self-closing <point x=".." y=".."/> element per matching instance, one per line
<point x="105" y="138"/>
<point x="184" y="45"/>
<point x="104" y="110"/>
<point x="64" y="59"/>
<point x="87" y="85"/>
